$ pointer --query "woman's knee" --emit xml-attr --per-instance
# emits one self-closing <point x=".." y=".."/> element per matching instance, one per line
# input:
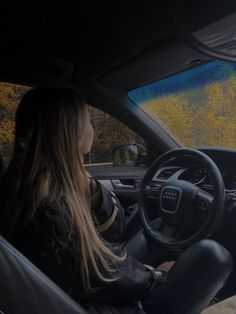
<point x="213" y="256"/>
<point x="205" y="260"/>
<point x="199" y="273"/>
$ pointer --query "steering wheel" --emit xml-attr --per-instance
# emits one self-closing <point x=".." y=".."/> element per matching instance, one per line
<point x="178" y="203"/>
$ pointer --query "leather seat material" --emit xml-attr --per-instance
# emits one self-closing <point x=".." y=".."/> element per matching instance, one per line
<point x="25" y="289"/>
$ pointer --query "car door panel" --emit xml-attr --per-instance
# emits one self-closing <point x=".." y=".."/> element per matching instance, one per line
<point x="124" y="182"/>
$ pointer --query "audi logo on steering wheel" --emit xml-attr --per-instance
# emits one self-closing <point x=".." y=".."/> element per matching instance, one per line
<point x="170" y="195"/>
<point x="170" y="199"/>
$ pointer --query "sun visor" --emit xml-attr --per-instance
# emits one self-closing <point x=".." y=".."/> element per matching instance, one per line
<point x="151" y="66"/>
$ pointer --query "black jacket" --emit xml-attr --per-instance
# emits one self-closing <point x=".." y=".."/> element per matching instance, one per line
<point x="41" y="242"/>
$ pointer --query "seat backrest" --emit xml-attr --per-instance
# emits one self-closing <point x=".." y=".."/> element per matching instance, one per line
<point x="25" y="289"/>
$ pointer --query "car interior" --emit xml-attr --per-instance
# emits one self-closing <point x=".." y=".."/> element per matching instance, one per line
<point x="111" y="52"/>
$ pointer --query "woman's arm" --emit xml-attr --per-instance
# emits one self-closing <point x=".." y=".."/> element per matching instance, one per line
<point x="108" y="212"/>
<point x="61" y="263"/>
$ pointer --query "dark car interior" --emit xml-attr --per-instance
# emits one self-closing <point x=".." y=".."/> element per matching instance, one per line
<point x="105" y="49"/>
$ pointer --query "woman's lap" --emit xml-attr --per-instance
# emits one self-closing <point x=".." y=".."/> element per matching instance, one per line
<point x="199" y="273"/>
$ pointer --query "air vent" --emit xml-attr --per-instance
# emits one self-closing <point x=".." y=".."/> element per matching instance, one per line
<point x="166" y="174"/>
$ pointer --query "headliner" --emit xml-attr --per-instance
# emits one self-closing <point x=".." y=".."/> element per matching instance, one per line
<point x="118" y="44"/>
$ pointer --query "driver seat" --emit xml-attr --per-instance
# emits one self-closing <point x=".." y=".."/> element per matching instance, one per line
<point x="25" y="289"/>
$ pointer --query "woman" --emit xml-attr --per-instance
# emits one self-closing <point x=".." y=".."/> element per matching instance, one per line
<point x="65" y="222"/>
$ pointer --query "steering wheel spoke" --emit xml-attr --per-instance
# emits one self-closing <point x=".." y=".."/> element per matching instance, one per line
<point x="203" y="200"/>
<point x="152" y="189"/>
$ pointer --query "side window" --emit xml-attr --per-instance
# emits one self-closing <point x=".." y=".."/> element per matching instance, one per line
<point x="108" y="134"/>
<point x="10" y="95"/>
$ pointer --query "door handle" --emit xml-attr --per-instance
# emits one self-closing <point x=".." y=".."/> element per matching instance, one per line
<point x="118" y="185"/>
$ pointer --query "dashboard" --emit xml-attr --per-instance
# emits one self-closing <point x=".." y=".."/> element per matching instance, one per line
<point x="195" y="173"/>
<point x="181" y="168"/>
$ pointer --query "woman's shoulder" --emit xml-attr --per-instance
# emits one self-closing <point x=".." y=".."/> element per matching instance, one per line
<point x="41" y="221"/>
<point x="42" y="230"/>
<point x="48" y="218"/>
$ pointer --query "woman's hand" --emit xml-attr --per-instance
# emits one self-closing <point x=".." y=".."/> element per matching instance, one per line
<point x="166" y="266"/>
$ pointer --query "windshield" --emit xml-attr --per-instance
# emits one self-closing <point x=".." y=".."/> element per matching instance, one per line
<point x="197" y="107"/>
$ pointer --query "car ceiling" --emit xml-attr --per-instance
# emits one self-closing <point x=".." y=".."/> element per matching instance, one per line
<point x="109" y="46"/>
<point x="96" y="36"/>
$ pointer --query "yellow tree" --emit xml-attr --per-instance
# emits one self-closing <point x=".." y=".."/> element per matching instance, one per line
<point x="217" y="119"/>
<point x="10" y="95"/>
<point x="229" y="112"/>
<point x="207" y="118"/>
<point x="174" y="113"/>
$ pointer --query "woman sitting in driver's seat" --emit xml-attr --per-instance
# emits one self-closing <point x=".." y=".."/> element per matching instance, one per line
<point x="67" y="223"/>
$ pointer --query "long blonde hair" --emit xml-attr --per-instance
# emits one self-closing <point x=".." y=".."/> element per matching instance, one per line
<point x="47" y="167"/>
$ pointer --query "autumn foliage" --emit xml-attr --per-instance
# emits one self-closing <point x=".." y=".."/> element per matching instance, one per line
<point x="199" y="117"/>
<point x="10" y="95"/>
<point x="108" y="131"/>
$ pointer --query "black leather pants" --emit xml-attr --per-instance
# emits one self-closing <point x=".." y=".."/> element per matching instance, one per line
<point x="199" y="273"/>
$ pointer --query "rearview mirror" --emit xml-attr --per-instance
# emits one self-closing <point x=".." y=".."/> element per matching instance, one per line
<point x="129" y="155"/>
